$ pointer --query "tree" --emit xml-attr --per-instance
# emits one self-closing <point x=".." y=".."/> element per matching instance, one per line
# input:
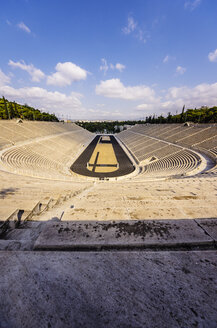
<point x="15" y="110"/>
<point x="182" y="114"/>
<point x="169" y="117"/>
<point x="11" y="110"/>
<point x="7" y="114"/>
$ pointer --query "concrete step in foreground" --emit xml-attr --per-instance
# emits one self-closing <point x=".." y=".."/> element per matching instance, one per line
<point x="115" y="289"/>
<point x="72" y="235"/>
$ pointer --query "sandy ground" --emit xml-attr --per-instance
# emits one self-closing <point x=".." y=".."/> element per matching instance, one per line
<point x="106" y="155"/>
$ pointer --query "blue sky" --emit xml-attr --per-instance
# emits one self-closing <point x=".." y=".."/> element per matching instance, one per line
<point x="105" y="59"/>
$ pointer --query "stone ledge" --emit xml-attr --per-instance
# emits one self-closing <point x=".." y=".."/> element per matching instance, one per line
<point x="209" y="226"/>
<point x="118" y="234"/>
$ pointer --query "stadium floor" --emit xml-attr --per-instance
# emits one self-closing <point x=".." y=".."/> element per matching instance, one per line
<point x="101" y="161"/>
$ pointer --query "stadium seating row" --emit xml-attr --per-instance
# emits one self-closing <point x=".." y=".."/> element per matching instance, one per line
<point x="48" y="155"/>
<point x="47" y="149"/>
<point x="164" y="149"/>
<point x="179" y="134"/>
<point x="12" y="132"/>
<point x="180" y="163"/>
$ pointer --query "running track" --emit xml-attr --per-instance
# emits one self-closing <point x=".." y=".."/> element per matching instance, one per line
<point x="125" y="165"/>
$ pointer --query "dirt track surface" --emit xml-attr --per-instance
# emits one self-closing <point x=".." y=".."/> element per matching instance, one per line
<point x="125" y="165"/>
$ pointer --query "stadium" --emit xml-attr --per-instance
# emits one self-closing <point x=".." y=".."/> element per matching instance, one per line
<point x="66" y="191"/>
<point x="108" y="164"/>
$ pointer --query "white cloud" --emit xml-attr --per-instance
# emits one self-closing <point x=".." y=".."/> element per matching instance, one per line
<point x="43" y="99"/>
<point x="66" y="74"/>
<point x="131" y="26"/>
<point x="202" y="94"/>
<point x="213" y="56"/>
<point x="143" y="107"/>
<point x="24" y="27"/>
<point x="175" y="97"/>
<point x="180" y="70"/>
<point x="35" y="73"/>
<point x="168" y="58"/>
<point x="114" y="88"/>
<point x="120" y="67"/>
<point x="52" y="101"/>
<point x="103" y="113"/>
<point x="142" y="35"/>
<point x="8" y="22"/>
<point x="4" y="79"/>
<point x="192" y="4"/>
<point x="104" y="67"/>
<point x="134" y="28"/>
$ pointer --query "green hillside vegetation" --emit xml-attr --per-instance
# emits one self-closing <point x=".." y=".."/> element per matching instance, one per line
<point x="10" y="110"/>
<point x="203" y="114"/>
<point x="200" y="115"/>
<point x="104" y="127"/>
